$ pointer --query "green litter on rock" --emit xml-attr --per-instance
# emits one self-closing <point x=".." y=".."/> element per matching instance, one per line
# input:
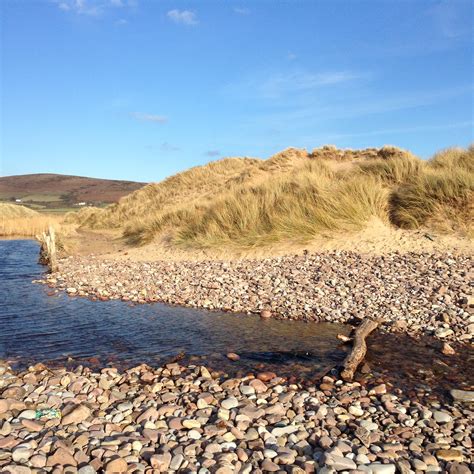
<point x="49" y="413"/>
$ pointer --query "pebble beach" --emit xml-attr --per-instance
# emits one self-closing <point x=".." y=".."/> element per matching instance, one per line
<point x="189" y="418"/>
<point x="417" y="293"/>
<point x="186" y="419"/>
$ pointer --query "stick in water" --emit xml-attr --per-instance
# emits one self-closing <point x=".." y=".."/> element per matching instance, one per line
<point x="359" y="349"/>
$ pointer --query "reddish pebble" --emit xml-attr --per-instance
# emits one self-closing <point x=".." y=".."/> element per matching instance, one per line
<point x="266" y="376"/>
<point x="447" y="349"/>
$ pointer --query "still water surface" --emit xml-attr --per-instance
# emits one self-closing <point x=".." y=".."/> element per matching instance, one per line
<point x="35" y="327"/>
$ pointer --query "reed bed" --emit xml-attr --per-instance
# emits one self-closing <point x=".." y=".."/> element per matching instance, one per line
<point x="27" y="226"/>
<point x="20" y="221"/>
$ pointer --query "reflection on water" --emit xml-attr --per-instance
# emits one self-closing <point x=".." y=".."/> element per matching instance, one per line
<point x="419" y="366"/>
<point x="36" y="327"/>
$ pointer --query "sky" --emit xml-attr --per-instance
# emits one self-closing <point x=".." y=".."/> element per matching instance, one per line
<point x="139" y="90"/>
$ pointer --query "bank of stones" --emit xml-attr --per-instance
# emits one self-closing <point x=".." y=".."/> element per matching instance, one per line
<point x="417" y="293"/>
<point x="186" y="419"/>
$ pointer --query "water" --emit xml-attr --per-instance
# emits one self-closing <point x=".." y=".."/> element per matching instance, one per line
<point x="59" y="330"/>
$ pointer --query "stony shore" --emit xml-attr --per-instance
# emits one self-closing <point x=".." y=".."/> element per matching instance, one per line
<point x="186" y="419"/>
<point x="423" y="293"/>
<point x="180" y="418"/>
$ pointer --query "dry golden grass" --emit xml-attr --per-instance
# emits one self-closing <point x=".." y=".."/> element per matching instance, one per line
<point x="440" y="197"/>
<point x="394" y="169"/>
<point x="9" y="211"/>
<point x="295" y="196"/>
<point x="197" y="183"/>
<point x="19" y="221"/>
<point x="27" y="226"/>
<point x="293" y="208"/>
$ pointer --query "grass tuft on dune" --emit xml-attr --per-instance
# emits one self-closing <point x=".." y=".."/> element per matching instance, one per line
<point x="440" y="197"/>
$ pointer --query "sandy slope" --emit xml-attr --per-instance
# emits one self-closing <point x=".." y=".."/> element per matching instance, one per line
<point x="377" y="238"/>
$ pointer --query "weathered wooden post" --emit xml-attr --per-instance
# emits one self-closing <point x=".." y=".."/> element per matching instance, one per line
<point x="48" y="249"/>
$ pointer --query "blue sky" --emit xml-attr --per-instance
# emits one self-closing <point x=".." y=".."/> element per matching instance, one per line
<point x="134" y="89"/>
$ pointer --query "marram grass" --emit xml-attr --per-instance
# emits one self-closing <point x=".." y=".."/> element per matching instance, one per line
<point x="295" y="196"/>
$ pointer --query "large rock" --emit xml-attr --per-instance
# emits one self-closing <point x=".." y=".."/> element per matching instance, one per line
<point x="150" y="414"/>
<point x="444" y="332"/>
<point x="61" y="457"/>
<point x="340" y="463"/>
<point x="269" y="466"/>
<point x="161" y="461"/>
<point x="117" y="465"/>
<point x="449" y="455"/>
<point x="77" y="415"/>
<point x="442" y="416"/>
<point x="457" y="468"/>
<point x="22" y="454"/>
<point x="466" y="396"/>
<point x="230" y="403"/>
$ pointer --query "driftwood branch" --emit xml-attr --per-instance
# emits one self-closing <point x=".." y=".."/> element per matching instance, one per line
<point x="359" y="349"/>
<point x="48" y="249"/>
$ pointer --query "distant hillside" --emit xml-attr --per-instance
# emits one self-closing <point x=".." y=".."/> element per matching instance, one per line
<point x="296" y="195"/>
<point x="54" y="191"/>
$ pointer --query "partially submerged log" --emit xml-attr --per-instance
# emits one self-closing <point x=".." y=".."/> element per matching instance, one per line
<point x="48" y="249"/>
<point x="359" y="349"/>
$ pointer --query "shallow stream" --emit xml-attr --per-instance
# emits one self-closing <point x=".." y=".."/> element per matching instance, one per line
<point x="60" y="330"/>
<point x="40" y="325"/>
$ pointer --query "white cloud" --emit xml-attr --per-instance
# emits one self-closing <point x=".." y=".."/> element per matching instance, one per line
<point x="142" y="117"/>
<point x="81" y="7"/>
<point x="241" y="11"/>
<point x="121" y="22"/>
<point x="93" y="7"/>
<point x="185" y="17"/>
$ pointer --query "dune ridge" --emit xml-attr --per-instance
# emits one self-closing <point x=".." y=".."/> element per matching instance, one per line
<point x="295" y="196"/>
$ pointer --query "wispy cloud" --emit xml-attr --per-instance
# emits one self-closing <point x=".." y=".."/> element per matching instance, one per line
<point x="241" y="10"/>
<point x="313" y="111"/>
<point x="291" y="56"/>
<point x="212" y="153"/>
<point x="184" y="17"/>
<point x="284" y="84"/>
<point x="121" y="22"/>
<point x="149" y="117"/>
<point x="92" y="7"/>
